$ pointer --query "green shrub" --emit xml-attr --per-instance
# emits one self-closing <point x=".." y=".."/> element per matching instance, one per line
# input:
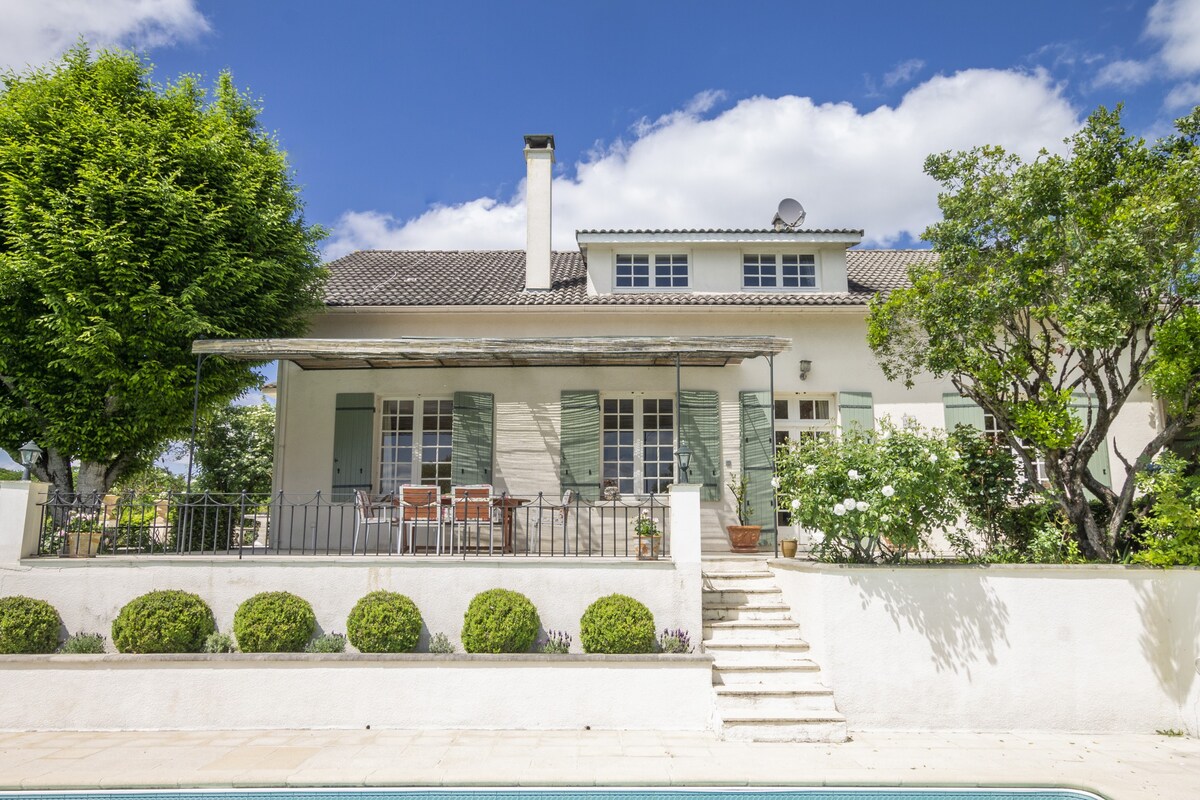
<point x="168" y="621"/>
<point x="274" y="622"/>
<point x="499" y="621"/>
<point x="28" y="625"/>
<point x="1171" y="528"/>
<point x="327" y="643"/>
<point x="384" y="622"/>
<point x="83" y="644"/>
<point x="440" y="643"/>
<point x="617" y="624"/>
<point x="220" y="643"/>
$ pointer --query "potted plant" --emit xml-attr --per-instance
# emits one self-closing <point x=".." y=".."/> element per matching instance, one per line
<point x="743" y="536"/>
<point x="788" y="547"/>
<point x="81" y="539"/>
<point x="648" y="536"/>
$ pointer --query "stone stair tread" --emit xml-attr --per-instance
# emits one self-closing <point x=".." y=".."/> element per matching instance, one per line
<point x="762" y="719"/>
<point x="760" y="644"/>
<point x="717" y="605"/>
<point x="751" y="623"/>
<point x="746" y="590"/>
<point x="757" y="689"/>
<point x="776" y="665"/>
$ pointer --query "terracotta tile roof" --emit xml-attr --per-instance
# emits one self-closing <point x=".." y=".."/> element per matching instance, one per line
<point x="497" y="278"/>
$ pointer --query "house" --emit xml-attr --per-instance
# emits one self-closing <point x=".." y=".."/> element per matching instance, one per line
<point x="539" y="372"/>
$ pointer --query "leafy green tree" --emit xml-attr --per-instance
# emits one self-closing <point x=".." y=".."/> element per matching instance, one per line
<point x="235" y="449"/>
<point x="1071" y="275"/>
<point x="10" y="474"/>
<point x="134" y="219"/>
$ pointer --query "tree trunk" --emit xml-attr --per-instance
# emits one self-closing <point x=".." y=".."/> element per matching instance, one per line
<point x="1079" y="512"/>
<point x="93" y="479"/>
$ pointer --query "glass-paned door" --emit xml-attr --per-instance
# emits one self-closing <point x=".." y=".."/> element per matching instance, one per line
<point x="416" y="447"/>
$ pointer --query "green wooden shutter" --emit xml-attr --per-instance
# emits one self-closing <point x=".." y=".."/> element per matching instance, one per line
<point x="471" y="438"/>
<point x="857" y="409"/>
<point x="353" y="434"/>
<point x="700" y="423"/>
<point x="962" y="411"/>
<point x="579" y="444"/>
<point x="757" y="460"/>
<point x="1098" y="465"/>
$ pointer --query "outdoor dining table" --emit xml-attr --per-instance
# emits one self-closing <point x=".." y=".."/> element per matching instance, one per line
<point x="508" y="505"/>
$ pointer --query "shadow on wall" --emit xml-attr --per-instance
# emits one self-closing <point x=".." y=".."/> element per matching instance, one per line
<point x="1170" y="612"/>
<point x="961" y="618"/>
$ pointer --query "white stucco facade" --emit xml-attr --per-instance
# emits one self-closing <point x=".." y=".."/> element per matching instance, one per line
<point x="1006" y="647"/>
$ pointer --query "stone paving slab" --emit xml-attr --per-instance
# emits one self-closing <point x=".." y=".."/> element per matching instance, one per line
<point x="1118" y="767"/>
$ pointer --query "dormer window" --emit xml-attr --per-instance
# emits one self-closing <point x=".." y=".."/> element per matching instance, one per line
<point x="779" y="271"/>
<point x="659" y="271"/>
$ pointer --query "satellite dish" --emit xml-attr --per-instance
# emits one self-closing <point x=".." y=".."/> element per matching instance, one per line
<point x="791" y="213"/>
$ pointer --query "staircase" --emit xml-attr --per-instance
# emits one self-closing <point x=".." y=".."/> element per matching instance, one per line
<point x="767" y="688"/>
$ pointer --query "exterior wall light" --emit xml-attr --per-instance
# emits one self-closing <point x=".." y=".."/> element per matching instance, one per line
<point x="805" y="368"/>
<point x="30" y="455"/>
<point x="684" y="454"/>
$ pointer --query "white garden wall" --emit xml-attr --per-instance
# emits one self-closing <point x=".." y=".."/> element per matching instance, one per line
<point x="1004" y="648"/>
<point x="263" y="692"/>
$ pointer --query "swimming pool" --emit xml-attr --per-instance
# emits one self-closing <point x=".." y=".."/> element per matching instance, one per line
<point x="816" y="793"/>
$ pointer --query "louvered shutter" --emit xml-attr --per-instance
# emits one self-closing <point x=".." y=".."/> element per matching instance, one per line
<point x="757" y="462"/>
<point x="961" y="411"/>
<point x="579" y="443"/>
<point x="472" y="438"/>
<point x="856" y="409"/>
<point x="700" y="421"/>
<point x="1098" y="464"/>
<point x="353" y="434"/>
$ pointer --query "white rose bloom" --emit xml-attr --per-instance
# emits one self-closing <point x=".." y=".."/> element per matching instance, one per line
<point x="811" y="469"/>
<point x="885" y="518"/>
<point x="848" y="503"/>
<point x="796" y="503"/>
<point x="775" y="482"/>
<point x="817" y="536"/>
<point x="933" y="458"/>
<point x="861" y="505"/>
<point x="853" y="474"/>
<point x="887" y="491"/>
<point x="840" y="510"/>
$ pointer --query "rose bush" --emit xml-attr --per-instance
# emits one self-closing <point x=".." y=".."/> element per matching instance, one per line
<point x="875" y="496"/>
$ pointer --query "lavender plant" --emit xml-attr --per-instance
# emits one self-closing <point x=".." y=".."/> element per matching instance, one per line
<point x="674" y="641"/>
<point x="557" y="642"/>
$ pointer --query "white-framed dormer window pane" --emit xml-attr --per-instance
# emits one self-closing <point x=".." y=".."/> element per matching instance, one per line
<point x="992" y="431"/>
<point x="633" y="272"/>
<point x="758" y="272"/>
<point x="671" y="271"/>
<point x="799" y="272"/>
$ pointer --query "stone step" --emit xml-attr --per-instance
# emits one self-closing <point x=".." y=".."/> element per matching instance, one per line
<point x="753" y="700"/>
<point x="736" y="596"/>
<point x="741" y="649"/>
<point x="751" y="631"/>
<point x="731" y="611"/>
<point x="737" y="575"/>
<point x="798" y="675"/>
<point x="806" y="728"/>
<point x="722" y="583"/>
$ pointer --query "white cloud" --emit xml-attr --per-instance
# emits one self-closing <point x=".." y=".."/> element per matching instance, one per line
<point x="1124" y="74"/>
<point x="1183" y="95"/>
<point x="1177" y="24"/>
<point x="37" y="31"/>
<point x="849" y="168"/>
<point x="903" y="72"/>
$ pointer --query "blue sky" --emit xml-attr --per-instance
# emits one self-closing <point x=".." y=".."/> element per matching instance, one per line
<point x="403" y="120"/>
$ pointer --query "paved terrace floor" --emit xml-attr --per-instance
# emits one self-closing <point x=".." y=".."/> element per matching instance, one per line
<point x="1119" y="767"/>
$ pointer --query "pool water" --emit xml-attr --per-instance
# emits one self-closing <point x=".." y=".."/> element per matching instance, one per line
<point x="823" y="793"/>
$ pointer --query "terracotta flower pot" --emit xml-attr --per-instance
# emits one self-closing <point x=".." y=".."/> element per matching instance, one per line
<point x="788" y="548"/>
<point x="744" y="538"/>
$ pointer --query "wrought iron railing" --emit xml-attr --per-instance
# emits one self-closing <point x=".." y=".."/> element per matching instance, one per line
<point x="284" y="523"/>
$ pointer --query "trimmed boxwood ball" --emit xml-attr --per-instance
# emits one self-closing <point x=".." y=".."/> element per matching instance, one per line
<point x="617" y="624"/>
<point x="500" y="621"/>
<point x="165" y="621"/>
<point x="274" y="622"/>
<point x="27" y="625"/>
<point x="384" y="622"/>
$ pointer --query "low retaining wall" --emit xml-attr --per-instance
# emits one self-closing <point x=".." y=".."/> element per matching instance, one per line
<point x="89" y="593"/>
<point x="1004" y="648"/>
<point x="260" y="692"/>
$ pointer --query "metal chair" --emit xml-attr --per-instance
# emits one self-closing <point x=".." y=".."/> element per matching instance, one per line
<point x="558" y="519"/>
<point x="366" y="514"/>
<point x="472" y="511"/>
<point x="419" y="505"/>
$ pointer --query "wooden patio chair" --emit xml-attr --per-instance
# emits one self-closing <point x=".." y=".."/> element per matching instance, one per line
<point x="419" y="505"/>
<point x="472" y="511"/>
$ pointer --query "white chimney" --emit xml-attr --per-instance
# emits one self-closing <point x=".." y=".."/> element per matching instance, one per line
<point x="539" y="163"/>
